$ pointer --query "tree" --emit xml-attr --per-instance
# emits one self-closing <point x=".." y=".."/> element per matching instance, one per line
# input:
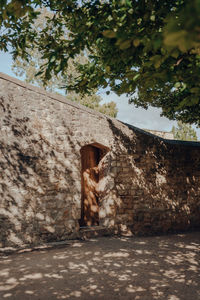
<point x="184" y="132"/>
<point x="29" y="69"/>
<point x="147" y="46"/>
<point x="93" y="101"/>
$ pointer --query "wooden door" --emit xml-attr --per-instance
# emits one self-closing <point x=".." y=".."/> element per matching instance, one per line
<point x="90" y="156"/>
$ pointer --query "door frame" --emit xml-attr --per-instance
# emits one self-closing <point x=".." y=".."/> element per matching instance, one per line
<point x="102" y="151"/>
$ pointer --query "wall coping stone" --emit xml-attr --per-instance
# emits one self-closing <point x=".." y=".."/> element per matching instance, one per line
<point x="63" y="100"/>
<point x="167" y="141"/>
<point x="52" y="96"/>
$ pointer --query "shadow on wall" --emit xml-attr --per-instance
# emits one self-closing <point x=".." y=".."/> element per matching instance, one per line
<point x="37" y="202"/>
<point x="109" y="268"/>
<point x="158" y="183"/>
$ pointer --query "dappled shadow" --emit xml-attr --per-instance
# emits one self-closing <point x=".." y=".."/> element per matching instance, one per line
<point x="157" y="182"/>
<point x="36" y="157"/>
<point x="145" y="186"/>
<point x="107" y="268"/>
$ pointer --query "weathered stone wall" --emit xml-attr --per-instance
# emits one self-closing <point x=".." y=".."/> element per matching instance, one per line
<point x="163" y="134"/>
<point x="159" y="186"/>
<point x="148" y="185"/>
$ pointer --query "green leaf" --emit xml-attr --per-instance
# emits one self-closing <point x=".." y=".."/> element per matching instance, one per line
<point x="39" y="73"/>
<point x="136" y="42"/>
<point x="175" y="53"/>
<point x="157" y="43"/>
<point x="107" y="69"/>
<point x="52" y="59"/>
<point x="195" y="90"/>
<point x="188" y="101"/>
<point x="152" y="18"/>
<point x="177" y="85"/>
<point x="109" y="34"/>
<point x="83" y="82"/>
<point x="177" y="39"/>
<point x="125" y="45"/>
<point x="136" y="77"/>
<point x="157" y="60"/>
<point x="89" y="24"/>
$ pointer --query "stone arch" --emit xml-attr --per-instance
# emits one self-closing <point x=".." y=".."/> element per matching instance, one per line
<point x="91" y="156"/>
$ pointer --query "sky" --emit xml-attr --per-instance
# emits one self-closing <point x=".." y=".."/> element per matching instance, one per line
<point x="144" y="119"/>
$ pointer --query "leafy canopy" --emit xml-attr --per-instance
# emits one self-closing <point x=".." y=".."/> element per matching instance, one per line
<point x="148" y="49"/>
<point x="29" y="68"/>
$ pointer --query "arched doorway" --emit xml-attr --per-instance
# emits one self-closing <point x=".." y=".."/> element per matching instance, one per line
<point x="90" y="158"/>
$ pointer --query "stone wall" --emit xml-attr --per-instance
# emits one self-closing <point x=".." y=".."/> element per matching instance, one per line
<point x="158" y="183"/>
<point x="148" y="185"/>
<point x="163" y="134"/>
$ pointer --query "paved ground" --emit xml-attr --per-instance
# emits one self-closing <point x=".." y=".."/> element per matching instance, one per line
<point x="166" y="267"/>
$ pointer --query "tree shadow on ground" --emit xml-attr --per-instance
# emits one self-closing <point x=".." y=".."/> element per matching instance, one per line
<point x="165" y="267"/>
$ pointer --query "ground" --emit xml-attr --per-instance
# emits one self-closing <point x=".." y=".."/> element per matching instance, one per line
<point x="142" y="268"/>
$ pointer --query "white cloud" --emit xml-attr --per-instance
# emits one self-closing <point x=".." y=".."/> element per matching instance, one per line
<point x="139" y="117"/>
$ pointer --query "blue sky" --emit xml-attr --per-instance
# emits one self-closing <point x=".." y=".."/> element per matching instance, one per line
<point x="147" y="119"/>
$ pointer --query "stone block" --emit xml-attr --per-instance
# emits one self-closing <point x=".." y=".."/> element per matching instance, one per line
<point x="150" y="185"/>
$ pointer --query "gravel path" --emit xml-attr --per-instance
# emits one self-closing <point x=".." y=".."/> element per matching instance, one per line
<point x="165" y="267"/>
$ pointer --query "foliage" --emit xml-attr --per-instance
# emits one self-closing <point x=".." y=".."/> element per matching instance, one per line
<point x="184" y="132"/>
<point x="93" y="101"/>
<point x="147" y="46"/>
<point x="29" y="68"/>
